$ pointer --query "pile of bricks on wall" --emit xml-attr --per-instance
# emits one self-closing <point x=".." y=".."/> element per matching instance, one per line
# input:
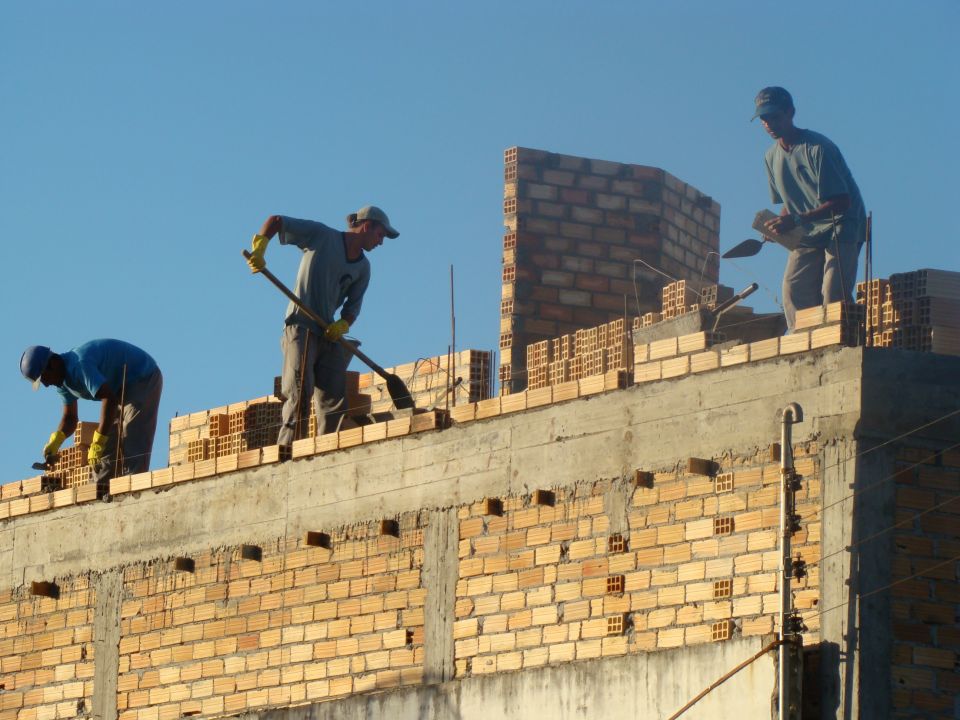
<point x="679" y="298"/>
<point x="241" y="426"/>
<point x="582" y="237"/>
<point x="926" y="597"/>
<point x="70" y="468"/>
<point x="298" y="622"/>
<point x="585" y="353"/>
<point x="917" y="310"/>
<point x="547" y="579"/>
<point x="838" y="324"/>
<point x="428" y="380"/>
<point x="46" y="651"/>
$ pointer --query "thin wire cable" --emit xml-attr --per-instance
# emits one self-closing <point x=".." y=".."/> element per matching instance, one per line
<point x="895" y="526"/>
<point x="857" y="456"/>
<point x="875" y="591"/>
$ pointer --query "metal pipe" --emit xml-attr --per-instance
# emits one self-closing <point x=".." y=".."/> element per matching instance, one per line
<point x="791" y="414"/>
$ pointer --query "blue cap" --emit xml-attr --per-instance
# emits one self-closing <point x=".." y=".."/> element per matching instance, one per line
<point x="770" y="100"/>
<point x="33" y="363"/>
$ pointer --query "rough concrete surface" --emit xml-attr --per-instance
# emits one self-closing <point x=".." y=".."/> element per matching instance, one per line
<point x="653" y="685"/>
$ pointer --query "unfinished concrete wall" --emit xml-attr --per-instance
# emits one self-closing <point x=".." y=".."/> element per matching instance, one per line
<point x="519" y="602"/>
<point x="577" y="231"/>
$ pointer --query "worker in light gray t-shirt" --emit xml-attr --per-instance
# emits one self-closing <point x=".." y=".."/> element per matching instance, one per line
<point x="810" y="178"/>
<point x="334" y="274"/>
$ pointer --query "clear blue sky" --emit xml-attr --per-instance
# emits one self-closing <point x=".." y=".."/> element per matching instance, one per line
<point x="144" y="143"/>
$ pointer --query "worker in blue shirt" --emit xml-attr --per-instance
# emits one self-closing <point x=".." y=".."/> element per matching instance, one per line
<point x="128" y="384"/>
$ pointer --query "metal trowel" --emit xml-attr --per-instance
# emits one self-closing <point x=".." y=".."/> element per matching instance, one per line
<point x="748" y="248"/>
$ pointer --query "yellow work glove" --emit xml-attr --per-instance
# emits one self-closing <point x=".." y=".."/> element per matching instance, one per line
<point x="97" y="448"/>
<point x="336" y="330"/>
<point x="52" y="447"/>
<point x="256" y="261"/>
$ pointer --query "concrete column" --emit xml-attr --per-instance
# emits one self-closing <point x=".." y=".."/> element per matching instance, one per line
<point x="440" y="571"/>
<point x="106" y="643"/>
<point x="839" y="582"/>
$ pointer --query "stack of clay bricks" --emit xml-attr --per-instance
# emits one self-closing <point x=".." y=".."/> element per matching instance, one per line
<point x="585" y="353"/>
<point x="429" y="380"/>
<point x="585" y="240"/>
<point x="224" y="431"/>
<point x="70" y="467"/>
<point x="917" y="310"/>
<point x="836" y="323"/>
<point x="244" y="428"/>
<point x="679" y="298"/>
<point x="248" y="425"/>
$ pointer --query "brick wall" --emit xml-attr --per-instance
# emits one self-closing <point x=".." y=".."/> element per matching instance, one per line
<point x="644" y="563"/>
<point x="575" y="226"/>
<point x="925" y="602"/>
<point x="696" y="562"/>
<point x="46" y="652"/>
<point x="301" y="624"/>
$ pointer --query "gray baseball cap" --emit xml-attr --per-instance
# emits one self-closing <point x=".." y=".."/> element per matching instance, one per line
<point x="771" y="99"/>
<point x="372" y="212"/>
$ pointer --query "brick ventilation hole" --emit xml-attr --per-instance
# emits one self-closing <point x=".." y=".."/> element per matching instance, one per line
<point x="510" y="206"/>
<point x="409" y="637"/>
<point x="616" y="544"/>
<point x="184" y="564"/>
<point x="615" y="625"/>
<point x="643" y="478"/>
<point x="724" y="482"/>
<point x="390" y="527"/>
<point x="614" y="584"/>
<point x="722" y="589"/>
<point x="722" y="526"/>
<point x="510" y="172"/>
<point x="317" y="539"/>
<point x="509" y="273"/>
<point x="721" y="630"/>
<point x="544" y="497"/>
<point x="506" y="308"/>
<point x="44" y="589"/>
<point x="510" y="155"/>
<point x="506" y="340"/>
<point x="775" y="452"/>
<point x="493" y="506"/>
<point x="509" y="241"/>
<point x="701" y="466"/>
<point x="251" y="552"/>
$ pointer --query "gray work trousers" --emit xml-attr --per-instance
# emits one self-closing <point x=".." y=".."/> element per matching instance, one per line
<point x="135" y="426"/>
<point x="313" y="366"/>
<point x="817" y="276"/>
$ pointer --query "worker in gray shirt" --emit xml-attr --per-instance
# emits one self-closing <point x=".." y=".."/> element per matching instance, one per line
<point x="334" y="274"/>
<point x="810" y="178"/>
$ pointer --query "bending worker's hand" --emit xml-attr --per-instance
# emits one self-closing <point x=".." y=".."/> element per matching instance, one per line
<point x="97" y="448"/>
<point x="256" y="261"/>
<point x="52" y="447"/>
<point x="336" y="330"/>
